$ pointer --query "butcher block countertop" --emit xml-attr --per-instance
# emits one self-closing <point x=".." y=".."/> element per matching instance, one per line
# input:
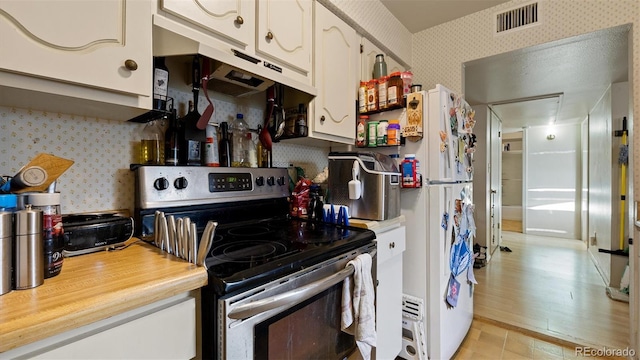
<point x="93" y="287"/>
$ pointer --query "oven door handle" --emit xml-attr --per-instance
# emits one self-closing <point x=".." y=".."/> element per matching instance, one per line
<point x="292" y="297"/>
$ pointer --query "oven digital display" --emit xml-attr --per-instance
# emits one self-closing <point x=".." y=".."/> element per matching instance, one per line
<point x="230" y="182"/>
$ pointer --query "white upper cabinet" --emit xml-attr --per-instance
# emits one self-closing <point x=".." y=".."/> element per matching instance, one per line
<point x="233" y="19"/>
<point x="287" y="38"/>
<point x="368" y="58"/>
<point x="336" y="72"/>
<point x="101" y="44"/>
<point x="270" y="38"/>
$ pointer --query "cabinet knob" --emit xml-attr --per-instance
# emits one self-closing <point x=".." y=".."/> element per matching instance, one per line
<point x="270" y="35"/>
<point x="239" y="20"/>
<point x="392" y="245"/>
<point x="131" y="65"/>
<point x="322" y="118"/>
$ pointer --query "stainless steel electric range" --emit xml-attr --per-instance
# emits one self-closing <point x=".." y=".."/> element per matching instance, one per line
<point x="275" y="281"/>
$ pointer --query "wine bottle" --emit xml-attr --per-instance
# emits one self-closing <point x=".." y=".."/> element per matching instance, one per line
<point x="160" y="83"/>
<point x="225" y="146"/>
<point x="172" y="141"/>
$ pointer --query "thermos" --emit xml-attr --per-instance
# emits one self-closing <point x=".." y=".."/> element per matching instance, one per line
<point x="28" y="249"/>
<point x="6" y="238"/>
<point x="52" y="231"/>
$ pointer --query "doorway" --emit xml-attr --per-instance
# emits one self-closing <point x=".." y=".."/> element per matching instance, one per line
<point x="537" y="72"/>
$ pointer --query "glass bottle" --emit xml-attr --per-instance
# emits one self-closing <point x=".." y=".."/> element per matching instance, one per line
<point x="152" y="144"/>
<point x="264" y="155"/>
<point x="172" y="141"/>
<point x="241" y="139"/>
<point x="301" y="121"/>
<point x="191" y="149"/>
<point x="225" y="145"/>
<point x="160" y="83"/>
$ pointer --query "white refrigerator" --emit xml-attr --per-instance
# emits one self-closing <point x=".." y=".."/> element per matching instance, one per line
<point x="439" y="222"/>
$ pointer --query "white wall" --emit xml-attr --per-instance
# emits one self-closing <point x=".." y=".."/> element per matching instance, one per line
<point x="604" y="181"/>
<point x="552" y="173"/>
<point x="440" y="52"/>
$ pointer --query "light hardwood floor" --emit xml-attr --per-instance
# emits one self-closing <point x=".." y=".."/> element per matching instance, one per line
<point x="549" y="288"/>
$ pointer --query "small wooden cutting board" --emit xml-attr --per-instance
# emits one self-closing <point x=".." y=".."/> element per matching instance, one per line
<point x="54" y="167"/>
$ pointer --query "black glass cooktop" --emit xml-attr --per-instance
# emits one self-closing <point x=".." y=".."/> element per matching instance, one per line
<point x="255" y="252"/>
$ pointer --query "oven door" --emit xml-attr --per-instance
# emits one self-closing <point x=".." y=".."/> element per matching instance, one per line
<point x="297" y="317"/>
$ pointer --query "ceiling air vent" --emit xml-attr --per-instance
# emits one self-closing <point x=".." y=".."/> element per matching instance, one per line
<point x="517" y="18"/>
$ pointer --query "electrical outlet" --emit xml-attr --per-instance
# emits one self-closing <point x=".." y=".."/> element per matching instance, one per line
<point x="593" y="240"/>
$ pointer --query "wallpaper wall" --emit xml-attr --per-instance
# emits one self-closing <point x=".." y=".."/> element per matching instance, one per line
<point x="440" y="52"/>
<point x="102" y="151"/>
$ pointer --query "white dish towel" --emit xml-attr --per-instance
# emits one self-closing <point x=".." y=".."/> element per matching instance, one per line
<point x="358" y="305"/>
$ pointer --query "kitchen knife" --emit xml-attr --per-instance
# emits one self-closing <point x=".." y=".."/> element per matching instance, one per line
<point x="186" y="238"/>
<point x="206" y="241"/>
<point x="171" y="229"/>
<point x="179" y="235"/>
<point x="193" y="246"/>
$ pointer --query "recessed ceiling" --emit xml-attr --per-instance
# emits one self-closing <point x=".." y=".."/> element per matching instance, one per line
<point x="581" y="68"/>
<point x="417" y="15"/>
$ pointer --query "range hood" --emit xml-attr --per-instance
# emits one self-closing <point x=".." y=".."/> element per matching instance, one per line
<point x="234" y="81"/>
<point x="233" y="72"/>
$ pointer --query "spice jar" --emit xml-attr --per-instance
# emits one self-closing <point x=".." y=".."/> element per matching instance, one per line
<point x="361" y="131"/>
<point x="393" y="133"/>
<point x="362" y="97"/>
<point x="372" y="134"/>
<point x="394" y="90"/>
<point x="372" y="95"/>
<point x="381" y="135"/>
<point x="382" y="92"/>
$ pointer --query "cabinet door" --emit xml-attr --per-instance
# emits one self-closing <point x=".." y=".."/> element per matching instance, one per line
<point x="284" y="31"/>
<point x="391" y="245"/>
<point x="80" y="42"/>
<point x="337" y="49"/>
<point x="232" y="19"/>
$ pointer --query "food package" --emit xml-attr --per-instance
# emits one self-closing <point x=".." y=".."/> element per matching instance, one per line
<point x="300" y="198"/>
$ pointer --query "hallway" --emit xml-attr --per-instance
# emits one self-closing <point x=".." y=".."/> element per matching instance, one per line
<point x="550" y="286"/>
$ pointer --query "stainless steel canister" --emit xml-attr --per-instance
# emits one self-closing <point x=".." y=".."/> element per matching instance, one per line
<point x="6" y="240"/>
<point x="28" y="249"/>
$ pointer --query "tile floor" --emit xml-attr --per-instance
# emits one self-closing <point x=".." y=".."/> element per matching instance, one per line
<point x="493" y="341"/>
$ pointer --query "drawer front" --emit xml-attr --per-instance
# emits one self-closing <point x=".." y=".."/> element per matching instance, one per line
<point x="391" y="243"/>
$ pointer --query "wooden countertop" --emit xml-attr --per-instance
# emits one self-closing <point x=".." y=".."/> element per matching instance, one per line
<point x="93" y="287"/>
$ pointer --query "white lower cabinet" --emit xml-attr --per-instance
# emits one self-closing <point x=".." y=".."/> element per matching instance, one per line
<point x="391" y="245"/>
<point x="162" y="330"/>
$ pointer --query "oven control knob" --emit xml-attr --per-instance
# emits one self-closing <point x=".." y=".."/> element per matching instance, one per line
<point x="260" y="181"/>
<point x="271" y="181"/>
<point x="181" y="183"/>
<point x="161" y="184"/>
<point x="281" y="181"/>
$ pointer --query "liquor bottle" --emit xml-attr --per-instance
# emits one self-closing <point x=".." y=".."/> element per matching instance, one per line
<point x="190" y="151"/>
<point x="225" y="145"/>
<point x="160" y="83"/>
<point x="172" y="141"/>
